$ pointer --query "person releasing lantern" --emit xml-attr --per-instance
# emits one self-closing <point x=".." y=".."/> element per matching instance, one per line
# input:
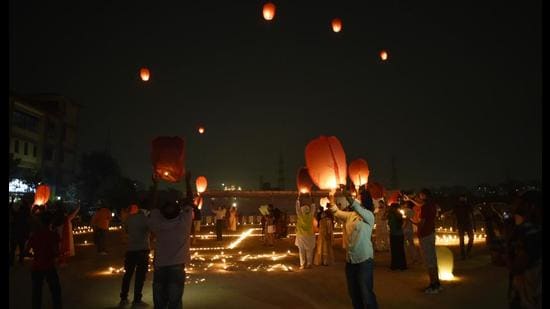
<point x="268" y="11"/>
<point x="144" y="74"/>
<point x="336" y="25"/>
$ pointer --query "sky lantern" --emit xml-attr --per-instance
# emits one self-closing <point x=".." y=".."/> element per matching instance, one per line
<point x="376" y="190"/>
<point x="393" y="197"/>
<point x="336" y="25"/>
<point x="41" y="195"/>
<point x="445" y="263"/>
<point x="303" y="181"/>
<point x="268" y="11"/>
<point x="201" y="184"/>
<point x="384" y="55"/>
<point x="168" y="158"/>
<point x="358" y="171"/>
<point x="144" y="74"/>
<point x="201" y="130"/>
<point x="326" y="162"/>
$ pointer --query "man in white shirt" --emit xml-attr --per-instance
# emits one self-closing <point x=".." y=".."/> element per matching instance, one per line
<point x="358" y="223"/>
<point x="137" y="255"/>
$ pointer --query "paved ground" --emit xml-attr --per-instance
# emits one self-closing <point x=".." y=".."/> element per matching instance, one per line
<point x="255" y="277"/>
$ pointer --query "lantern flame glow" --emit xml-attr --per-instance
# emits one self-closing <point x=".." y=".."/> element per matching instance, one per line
<point x="336" y="25"/>
<point x="144" y="73"/>
<point x="268" y="11"/>
<point x="384" y="55"/>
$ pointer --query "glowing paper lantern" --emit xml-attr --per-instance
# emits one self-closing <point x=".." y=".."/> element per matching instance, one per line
<point x="201" y="184"/>
<point x="384" y="55"/>
<point x="144" y="74"/>
<point x="42" y="195"/>
<point x="303" y="181"/>
<point x="336" y="25"/>
<point x="201" y="130"/>
<point x="168" y="158"/>
<point x="326" y="162"/>
<point x="376" y="190"/>
<point x="269" y="11"/>
<point x="358" y="171"/>
<point x="445" y="263"/>
<point x="393" y="197"/>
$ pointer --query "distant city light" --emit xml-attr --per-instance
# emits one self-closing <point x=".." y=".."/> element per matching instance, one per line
<point x="17" y="185"/>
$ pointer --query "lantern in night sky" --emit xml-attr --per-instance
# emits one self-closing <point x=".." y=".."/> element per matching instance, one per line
<point x="144" y="74"/>
<point x="201" y="184"/>
<point x="376" y="190"/>
<point x="358" y="171"/>
<point x="326" y="162"/>
<point x="336" y="25"/>
<point x="384" y="55"/>
<point x="42" y="195"/>
<point x="445" y="263"/>
<point x="201" y="130"/>
<point x="168" y="158"/>
<point x="268" y="11"/>
<point x="303" y="181"/>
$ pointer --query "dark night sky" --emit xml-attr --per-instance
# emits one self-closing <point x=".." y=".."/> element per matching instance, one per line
<point x="459" y="102"/>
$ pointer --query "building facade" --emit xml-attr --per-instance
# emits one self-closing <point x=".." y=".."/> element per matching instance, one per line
<point x="43" y="136"/>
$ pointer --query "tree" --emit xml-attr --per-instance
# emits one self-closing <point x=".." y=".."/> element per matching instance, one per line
<point x="32" y="177"/>
<point x="98" y="175"/>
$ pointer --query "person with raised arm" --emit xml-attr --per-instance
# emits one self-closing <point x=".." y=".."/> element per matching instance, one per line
<point x="305" y="237"/>
<point x="358" y="223"/>
<point x="171" y="225"/>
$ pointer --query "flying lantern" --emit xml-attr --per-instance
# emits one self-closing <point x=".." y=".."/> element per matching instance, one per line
<point x="384" y="55"/>
<point x="168" y="158"/>
<point x="326" y="162"/>
<point x="269" y="11"/>
<point x="42" y="195"/>
<point x="201" y="130"/>
<point x="376" y="190"/>
<point x="445" y="263"/>
<point x="144" y="74"/>
<point x="358" y="171"/>
<point x="303" y="181"/>
<point x="201" y="184"/>
<point x="336" y="25"/>
<point x="393" y="197"/>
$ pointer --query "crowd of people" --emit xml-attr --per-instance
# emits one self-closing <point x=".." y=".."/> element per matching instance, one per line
<point x="46" y="231"/>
